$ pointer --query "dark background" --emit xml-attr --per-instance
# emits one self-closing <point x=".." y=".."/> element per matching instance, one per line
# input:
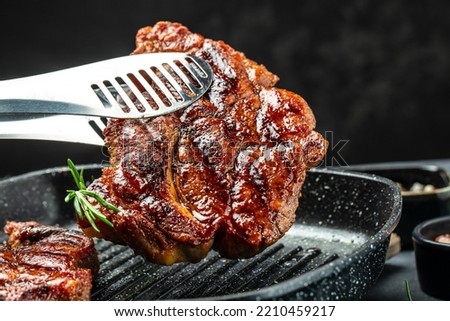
<point x="376" y="73"/>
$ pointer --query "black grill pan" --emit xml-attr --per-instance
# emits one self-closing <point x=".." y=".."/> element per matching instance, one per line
<point x="335" y="250"/>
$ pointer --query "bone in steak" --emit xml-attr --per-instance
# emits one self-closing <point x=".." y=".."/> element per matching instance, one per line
<point x="225" y="173"/>
<point x="42" y="262"/>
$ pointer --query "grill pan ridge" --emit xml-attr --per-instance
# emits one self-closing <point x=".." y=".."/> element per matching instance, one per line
<point x="335" y="250"/>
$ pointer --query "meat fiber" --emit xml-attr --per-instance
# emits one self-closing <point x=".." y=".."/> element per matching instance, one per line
<point x="225" y="173"/>
<point x="46" y="263"/>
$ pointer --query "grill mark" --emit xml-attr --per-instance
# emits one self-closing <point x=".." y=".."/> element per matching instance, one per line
<point x="176" y="284"/>
<point x="309" y="262"/>
<point x="126" y="276"/>
<point x="233" y="278"/>
<point x="147" y="276"/>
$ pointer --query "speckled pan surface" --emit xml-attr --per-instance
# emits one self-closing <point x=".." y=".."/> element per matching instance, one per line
<point x="335" y="250"/>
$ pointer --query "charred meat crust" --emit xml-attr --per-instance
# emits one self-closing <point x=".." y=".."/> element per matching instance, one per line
<point x="225" y="173"/>
<point x="42" y="262"/>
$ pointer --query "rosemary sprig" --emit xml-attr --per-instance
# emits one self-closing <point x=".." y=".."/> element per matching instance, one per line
<point x="408" y="291"/>
<point x="81" y="203"/>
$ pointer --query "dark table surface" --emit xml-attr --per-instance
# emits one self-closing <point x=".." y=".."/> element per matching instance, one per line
<point x="391" y="284"/>
<point x="402" y="267"/>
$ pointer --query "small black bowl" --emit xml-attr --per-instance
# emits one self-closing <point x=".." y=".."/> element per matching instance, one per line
<point x="418" y="205"/>
<point x="432" y="257"/>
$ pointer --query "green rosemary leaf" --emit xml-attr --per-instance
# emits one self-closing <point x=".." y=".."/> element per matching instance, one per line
<point x="69" y="196"/>
<point x="102" y="201"/>
<point x="91" y="221"/>
<point x="105" y="220"/>
<point x="408" y="291"/>
<point x="82" y="182"/>
<point x="82" y="205"/>
<point x="74" y="172"/>
<point x="76" y="205"/>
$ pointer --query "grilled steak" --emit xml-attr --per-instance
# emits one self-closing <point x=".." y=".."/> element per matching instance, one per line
<point x="225" y="173"/>
<point x="46" y="263"/>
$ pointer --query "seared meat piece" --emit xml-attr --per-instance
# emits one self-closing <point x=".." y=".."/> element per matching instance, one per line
<point x="46" y="263"/>
<point x="225" y="173"/>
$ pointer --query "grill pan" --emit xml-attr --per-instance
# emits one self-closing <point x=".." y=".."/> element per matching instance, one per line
<point x="335" y="250"/>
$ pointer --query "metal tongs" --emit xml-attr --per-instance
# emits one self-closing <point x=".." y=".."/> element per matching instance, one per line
<point x="49" y="106"/>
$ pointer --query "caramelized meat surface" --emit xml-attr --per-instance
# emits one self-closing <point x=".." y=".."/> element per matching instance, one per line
<point x="46" y="263"/>
<point x="225" y="173"/>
